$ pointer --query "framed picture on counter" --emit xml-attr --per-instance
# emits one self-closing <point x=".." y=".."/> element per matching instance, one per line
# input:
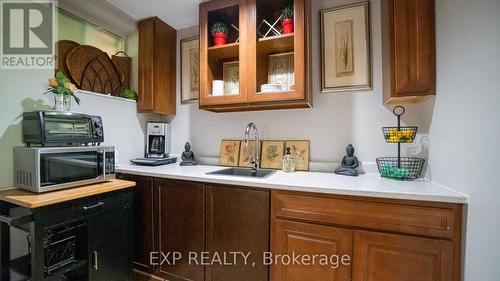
<point x="229" y="153"/>
<point x="246" y="154"/>
<point x="190" y="69"/>
<point x="345" y="48"/>
<point x="299" y="149"/>
<point x="272" y="154"/>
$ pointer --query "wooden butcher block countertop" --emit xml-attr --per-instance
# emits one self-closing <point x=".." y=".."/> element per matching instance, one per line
<point x="34" y="200"/>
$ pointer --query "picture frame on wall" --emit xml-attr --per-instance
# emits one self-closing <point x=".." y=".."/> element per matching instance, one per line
<point x="229" y="153"/>
<point x="190" y="70"/>
<point x="345" y="48"/>
<point x="299" y="149"/>
<point x="272" y="154"/>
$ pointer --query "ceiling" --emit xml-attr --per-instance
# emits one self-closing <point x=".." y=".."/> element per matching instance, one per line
<point x="177" y="13"/>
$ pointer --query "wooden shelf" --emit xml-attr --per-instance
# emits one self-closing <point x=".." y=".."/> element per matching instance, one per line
<point x="224" y="52"/>
<point x="276" y="44"/>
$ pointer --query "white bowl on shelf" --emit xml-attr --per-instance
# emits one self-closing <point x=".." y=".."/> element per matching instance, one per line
<point x="267" y="88"/>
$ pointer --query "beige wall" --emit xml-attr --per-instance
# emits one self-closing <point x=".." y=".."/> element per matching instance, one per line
<point x="465" y="130"/>
<point x="336" y="119"/>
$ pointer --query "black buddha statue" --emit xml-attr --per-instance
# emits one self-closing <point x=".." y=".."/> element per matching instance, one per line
<point x="349" y="163"/>
<point x="187" y="156"/>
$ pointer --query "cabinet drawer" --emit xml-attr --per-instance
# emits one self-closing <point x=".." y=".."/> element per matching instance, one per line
<point x="429" y="219"/>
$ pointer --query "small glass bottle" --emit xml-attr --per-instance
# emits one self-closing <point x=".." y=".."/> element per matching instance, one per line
<point x="288" y="163"/>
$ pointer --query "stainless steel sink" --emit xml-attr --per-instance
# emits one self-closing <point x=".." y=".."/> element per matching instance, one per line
<point x="243" y="172"/>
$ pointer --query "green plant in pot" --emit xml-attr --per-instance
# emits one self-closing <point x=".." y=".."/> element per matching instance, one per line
<point x="63" y="91"/>
<point x="219" y="33"/>
<point x="287" y="19"/>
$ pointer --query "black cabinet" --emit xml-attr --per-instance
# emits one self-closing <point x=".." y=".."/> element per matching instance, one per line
<point x="88" y="239"/>
<point x="110" y="245"/>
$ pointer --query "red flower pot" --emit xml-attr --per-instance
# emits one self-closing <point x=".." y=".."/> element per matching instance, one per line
<point x="287" y="26"/>
<point x="220" y="38"/>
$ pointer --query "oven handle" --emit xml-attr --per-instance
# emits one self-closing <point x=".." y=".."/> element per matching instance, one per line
<point x="16" y="221"/>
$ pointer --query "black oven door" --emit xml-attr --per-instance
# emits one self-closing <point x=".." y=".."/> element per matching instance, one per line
<point x="70" y="168"/>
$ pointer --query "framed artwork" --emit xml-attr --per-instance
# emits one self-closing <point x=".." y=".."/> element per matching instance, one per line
<point x="246" y="154"/>
<point x="190" y="69"/>
<point x="282" y="71"/>
<point x="299" y="149"/>
<point x="231" y="77"/>
<point x="229" y="153"/>
<point x="345" y="48"/>
<point x="272" y="154"/>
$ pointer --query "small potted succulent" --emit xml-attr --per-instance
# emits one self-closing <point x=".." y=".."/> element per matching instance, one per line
<point x="287" y="19"/>
<point x="63" y="91"/>
<point x="219" y="33"/>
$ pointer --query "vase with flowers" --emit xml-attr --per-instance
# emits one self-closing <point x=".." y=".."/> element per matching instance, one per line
<point x="63" y="91"/>
<point x="287" y="20"/>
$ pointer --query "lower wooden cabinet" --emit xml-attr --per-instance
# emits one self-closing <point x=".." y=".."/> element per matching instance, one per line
<point x="181" y="227"/>
<point x="384" y="257"/>
<point x="144" y="221"/>
<point x="237" y="220"/>
<point x="386" y="240"/>
<point x="309" y="240"/>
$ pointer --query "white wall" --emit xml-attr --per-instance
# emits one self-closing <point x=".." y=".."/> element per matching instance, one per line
<point x="21" y="91"/>
<point x="465" y="130"/>
<point x="336" y="119"/>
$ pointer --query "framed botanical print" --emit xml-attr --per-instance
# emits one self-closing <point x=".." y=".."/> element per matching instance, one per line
<point x="299" y="149"/>
<point x="229" y="153"/>
<point x="246" y="154"/>
<point x="190" y="69"/>
<point x="282" y="71"/>
<point x="272" y="154"/>
<point x="231" y="77"/>
<point x="345" y="48"/>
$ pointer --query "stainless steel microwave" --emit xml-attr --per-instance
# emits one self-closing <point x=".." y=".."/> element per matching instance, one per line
<point x="42" y="169"/>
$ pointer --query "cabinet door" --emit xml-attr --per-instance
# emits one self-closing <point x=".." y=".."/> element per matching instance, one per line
<point x="237" y="220"/>
<point x="181" y="224"/>
<point x="144" y="221"/>
<point x="110" y="250"/>
<point x="389" y="257"/>
<point x="279" y="59"/>
<point x="412" y="46"/>
<point x="157" y="62"/>
<point x="224" y="62"/>
<point x="289" y="238"/>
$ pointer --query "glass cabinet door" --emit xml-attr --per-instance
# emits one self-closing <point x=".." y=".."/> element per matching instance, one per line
<point x="279" y="36"/>
<point x="221" y="44"/>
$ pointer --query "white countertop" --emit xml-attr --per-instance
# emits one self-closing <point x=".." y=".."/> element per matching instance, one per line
<point x="371" y="185"/>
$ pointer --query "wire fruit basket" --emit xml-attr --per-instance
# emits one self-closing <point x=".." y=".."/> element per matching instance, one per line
<point x="401" y="168"/>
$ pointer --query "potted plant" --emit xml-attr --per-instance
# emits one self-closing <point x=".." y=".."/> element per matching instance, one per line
<point x="63" y="91"/>
<point x="219" y="33"/>
<point x="287" y="19"/>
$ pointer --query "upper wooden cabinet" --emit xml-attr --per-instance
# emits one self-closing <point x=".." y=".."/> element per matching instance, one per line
<point x="250" y="58"/>
<point x="157" y="66"/>
<point x="409" y="51"/>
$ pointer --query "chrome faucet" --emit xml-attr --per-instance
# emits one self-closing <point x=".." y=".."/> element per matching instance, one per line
<point x="255" y="154"/>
